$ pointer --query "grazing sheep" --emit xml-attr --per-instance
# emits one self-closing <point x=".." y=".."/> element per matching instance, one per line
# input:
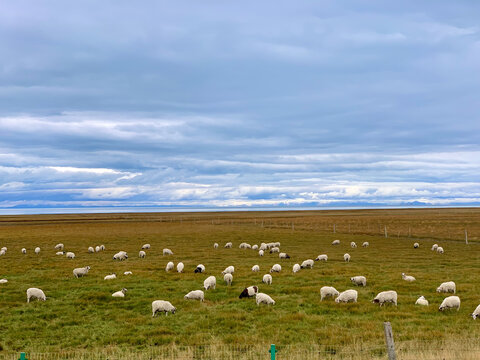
<point x="255" y="268"/>
<point x="440" y="250"/>
<point x="59" y="246"/>
<point x="283" y="256"/>
<point x="200" y="268"/>
<point x="307" y="264"/>
<point x="421" y="301"/>
<point x="353" y="245"/>
<point x="37" y="250"/>
<point x="2" y="252"/>
<point x="262" y="298"/>
<point x="276" y="268"/>
<point x="434" y="247"/>
<point x="120" y="293"/>
<point x="102" y="247"/>
<point x="359" y="280"/>
<point x="180" y="267"/>
<point x="121" y="255"/>
<point x="70" y="255"/>
<point x="35" y="293"/>
<point x="80" y="272"/>
<point x="60" y="253"/>
<point x="366" y="244"/>
<point x="245" y="246"/>
<point x="210" y="283"/>
<point x="277" y="244"/>
<point x="167" y="252"/>
<point x="386" y="297"/>
<point x="145" y="246"/>
<point x="215" y="246"/>
<point x="228" y="245"/>
<point x="97" y="248"/>
<point x="476" y="313"/>
<point x="228" y="270"/>
<point x="162" y="305"/>
<point x="347" y="296"/>
<point x="274" y="250"/>
<point x="127" y="273"/>
<point x="322" y="257"/>
<point x="346" y="257"/>
<point x="169" y="266"/>
<point x="267" y="279"/>
<point x="4" y="249"/>
<point x="249" y="292"/>
<point x="91" y="249"/>
<point x="228" y="278"/>
<point x="24" y="251"/>
<point x="408" y="277"/>
<point x="416" y="245"/>
<point x="447" y="287"/>
<point x="110" y="277"/>
<point x="263" y="247"/>
<point x="260" y="252"/>
<point x="336" y="242"/>
<point x="3" y="281"/>
<point x="296" y="268"/>
<point x="255" y="247"/>
<point x="328" y="291"/>
<point x="195" y="295"/>
<point x="450" y="302"/>
<point x="142" y="254"/>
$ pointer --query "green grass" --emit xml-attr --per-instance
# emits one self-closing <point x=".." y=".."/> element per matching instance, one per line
<point x="81" y="314"/>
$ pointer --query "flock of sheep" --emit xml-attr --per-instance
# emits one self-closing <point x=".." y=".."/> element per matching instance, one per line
<point x="350" y="295"/>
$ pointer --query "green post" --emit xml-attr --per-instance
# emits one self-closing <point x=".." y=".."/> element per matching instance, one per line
<point x="272" y="351"/>
<point x="22" y="356"/>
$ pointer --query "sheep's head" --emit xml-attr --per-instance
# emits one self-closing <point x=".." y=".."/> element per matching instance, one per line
<point x="376" y="301"/>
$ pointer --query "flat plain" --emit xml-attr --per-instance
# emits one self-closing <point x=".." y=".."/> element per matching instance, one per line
<point x="80" y="314"/>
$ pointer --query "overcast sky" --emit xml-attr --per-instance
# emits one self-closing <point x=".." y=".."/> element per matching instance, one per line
<point x="246" y="103"/>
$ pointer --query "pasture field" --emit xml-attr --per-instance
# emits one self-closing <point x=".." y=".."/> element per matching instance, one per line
<point x="81" y="316"/>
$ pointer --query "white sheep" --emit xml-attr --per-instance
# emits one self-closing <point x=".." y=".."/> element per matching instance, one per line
<point x="296" y="268"/>
<point x="180" y="267"/>
<point x="262" y="298"/>
<point x="416" y="245"/>
<point x="263" y="247"/>
<point x="91" y="249"/>
<point x="274" y="250"/>
<point x="142" y="254"/>
<point x="59" y="246"/>
<point x="120" y="293"/>
<point x="366" y="244"/>
<point x="121" y="255"/>
<point x="276" y="268"/>
<point x="210" y="283"/>
<point x="60" y="253"/>
<point x="307" y="264"/>
<point x="260" y="252"/>
<point x="347" y="296"/>
<point x="195" y="295"/>
<point x="80" y="272"/>
<point x="215" y="246"/>
<point x="336" y="242"/>
<point x="421" y="301"/>
<point x="440" y="250"/>
<point x="2" y="252"/>
<point x="37" y="250"/>
<point x="97" y="248"/>
<point x="408" y="278"/>
<point x="228" y="270"/>
<point x="35" y="293"/>
<point x="228" y="278"/>
<point x="353" y="245"/>
<point x="169" y="266"/>
<point x="249" y="292"/>
<point x="3" y="281"/>
<point x="434" y="247"/>
<point x="167" y="252"/>
<point x="127" y="273"/>
<point x="346" y="257"/>
<point x="322" y="257"/>
<point x="110" y="277"/>
<point x="4" y="249"/>
<point x="255" y="268"/>
<point x="476" y="313"/>
<point x="102" y="247"/>
<point x="277" y="244"/>
<point x="386" y="297"/>
<point x="200" y="268"/>
<point x="145" y="246"/>
<point x="228" y="245"/>
<point x="359" y="280"/>
<point x="255" y="247"/>
<point x="328" y="291"/>
<point x="24" y="251"/>
<point x="162" y="305"/>
<point x="450" y="302"/>
<point x="267" y="279"/>
<point x="447" y="287"/>
<point x="70" y="255"/>
<point x="245" y="246"/>
<point x="283" y="255"/>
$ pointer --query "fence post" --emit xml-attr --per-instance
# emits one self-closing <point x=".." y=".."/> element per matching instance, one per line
<point x="22" y="356"/>
<point x="334" y="228"/>
<point x="389" y="340"/>
<point x="385" y="229"/>
<point x="272" y="352"/>
<point x="466" y="237"/>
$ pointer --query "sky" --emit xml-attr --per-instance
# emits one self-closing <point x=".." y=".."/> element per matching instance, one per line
<point x="239" y="104"/>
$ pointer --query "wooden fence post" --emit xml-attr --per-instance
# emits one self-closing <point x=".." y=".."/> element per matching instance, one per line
<point x="334" y="228"/>
<point x="387" y="327"/>
<point x="386" y="235"/>
<point x="466" y="237"/>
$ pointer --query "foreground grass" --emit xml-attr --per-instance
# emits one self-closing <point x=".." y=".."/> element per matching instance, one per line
<point x="81" y="315"/>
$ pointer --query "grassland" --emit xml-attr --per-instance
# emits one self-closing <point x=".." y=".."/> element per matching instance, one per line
<point x="80" y="314"/>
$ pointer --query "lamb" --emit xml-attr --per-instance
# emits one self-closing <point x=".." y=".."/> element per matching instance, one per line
<point x="249" y="292"/>
<point x="110" y="277"/>
<point x="195" y="295"/>
<point x="70" y="255"/>
<point x="353" y="245"/>
<point x="276" y="268"/>
<point x="228" y="245"/>
<point x="347" y="296"/>
<point x="228" y="270"/>
<point x="255" y="268"/>
<point x="274" y="250"/>
<point x="283" y="256"/>
<point x="145" y="246"/>
<point x="450" y="302"/>
<point x="215" y="246"/>
<point x="262" y="298"/>
<point x="60" y="253"/>
<point x="440" y="250"/>
<point x="296" y="268"/>
<point x="434" y="247"/>
<point x="307" y="264"/>
<point x="127" y="273"/>
<point x="162" y="305"/>
<point x="322" y="257"/>
<point x="3" y="281"/>
<point x="142" y="254"/>
<point x="421" y="301"/>
<point x="328" y="291"/>
<point x="91" y="249"/>
<point x="476" y="313"/>
<point x="255" y="247"/>
<point x="416" y="245"/>
<point x="267" y="279"/>
<point x="336" y="242"/>
<point x="37" y="250"/>
<point x="386" y="297"/>
<point x="447" y="287"/>
<point x="180" y="267"/>
<point x="210" y="283"/>
<point x="167" y="252"/>
<point x="200" y="268"/>
<point x="228" y="278"/>
<point x="35" y="293"/>
<point x="121" y="255"/>
<point x="359" y="280"/>
<point x="408" y="277"/>
<point x="346" y="257"/>
<point x="366" y="244"/>
<point x="80" y="272"/>
<point x="59" y="246"/>
<point x="169" y="266"/>
<point x="260" y="252"/>
<point x="120" y="293"/>
<point x="24" y="251"/>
